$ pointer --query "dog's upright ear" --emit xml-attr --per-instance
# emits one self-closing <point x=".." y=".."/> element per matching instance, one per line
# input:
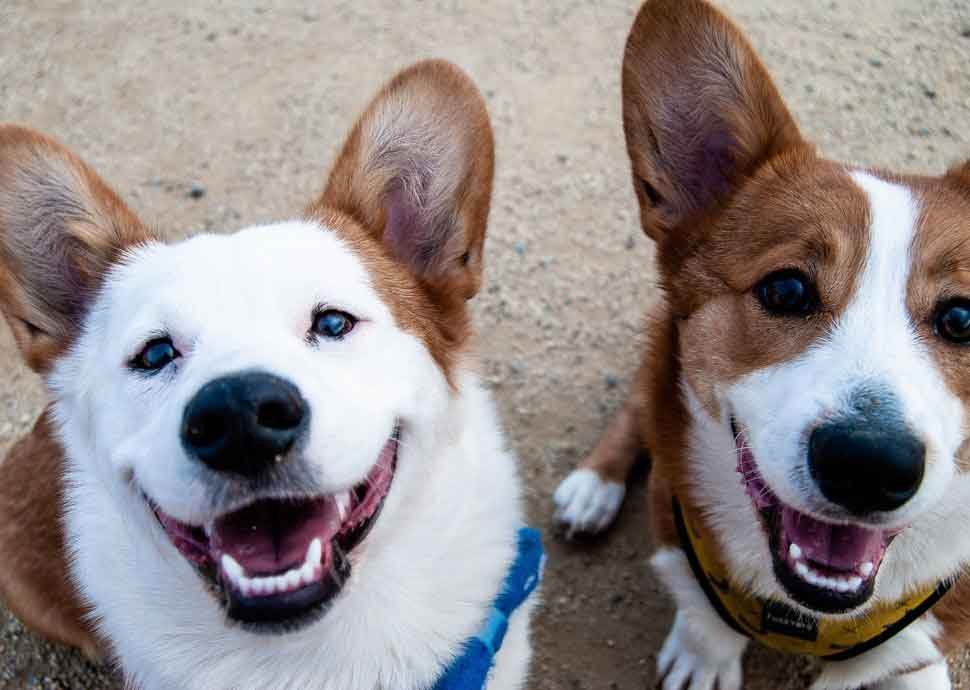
<point x="961" y="174"/>
<point x="699" y="112"/>
<point x="416" y="173"/>
<point x="61" y="227"/>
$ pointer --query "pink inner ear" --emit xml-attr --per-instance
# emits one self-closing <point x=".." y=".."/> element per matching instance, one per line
<point x="700" y="162"/>
<point x="410" y="233"/>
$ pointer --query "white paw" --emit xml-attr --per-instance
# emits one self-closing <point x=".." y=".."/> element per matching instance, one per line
<point x="689" y="662"/>
<point x="585" y="504"/>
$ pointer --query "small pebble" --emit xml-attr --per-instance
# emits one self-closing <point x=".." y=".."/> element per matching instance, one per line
<point x="630" y="242"/>
<point x="875" y="62"/>
<point x="519" y="248"/>
<point x="196" y="191"/>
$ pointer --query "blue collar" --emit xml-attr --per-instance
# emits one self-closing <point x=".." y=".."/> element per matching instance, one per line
<point x="469" y="670"/>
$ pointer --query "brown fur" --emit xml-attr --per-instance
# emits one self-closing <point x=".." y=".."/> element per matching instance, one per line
<point x="731" y="193"/>
<point x="60" y="225"/>
<point x="34" y="581"/>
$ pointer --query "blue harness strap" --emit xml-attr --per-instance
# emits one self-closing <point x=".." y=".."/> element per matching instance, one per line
<point x="469" y="670"/>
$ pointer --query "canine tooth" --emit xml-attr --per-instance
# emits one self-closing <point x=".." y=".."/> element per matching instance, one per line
<point x="795" y="551"/>
<point x="315" y="552"/>
<point x="855" y="582"/>
<point x="866" y="568"/>
<point x="306" y="573"/>
<point x="343" y="504"/>
<point x="233" y="569"/>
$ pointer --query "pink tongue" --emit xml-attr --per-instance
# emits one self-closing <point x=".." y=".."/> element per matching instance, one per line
<point x="840" y="547"/>
<point x="271" y="537"/>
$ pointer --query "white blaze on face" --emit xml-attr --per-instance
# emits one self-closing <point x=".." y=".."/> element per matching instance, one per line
<point x="232" y="303"/>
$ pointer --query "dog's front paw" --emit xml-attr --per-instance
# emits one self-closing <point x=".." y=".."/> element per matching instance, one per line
<point x="586" y="504"/>
<point x="692" y="662"/>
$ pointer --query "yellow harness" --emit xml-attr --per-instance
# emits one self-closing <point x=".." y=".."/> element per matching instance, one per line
<point x="776" y="625"/>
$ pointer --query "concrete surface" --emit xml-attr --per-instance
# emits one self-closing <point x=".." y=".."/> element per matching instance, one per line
<point x="251" y="102"/>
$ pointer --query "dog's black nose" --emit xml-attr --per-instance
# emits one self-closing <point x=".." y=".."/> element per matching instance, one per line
<point x="244" y="423"/>
<point x="866" y="467"/>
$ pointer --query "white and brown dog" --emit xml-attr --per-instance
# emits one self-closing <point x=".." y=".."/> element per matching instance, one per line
<point x="280" y="468"/>
<point x="805" y="389"/>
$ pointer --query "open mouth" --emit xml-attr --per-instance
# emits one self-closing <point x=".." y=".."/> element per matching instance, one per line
<point x="826" y="567"/>
<point x="277" y="564"/>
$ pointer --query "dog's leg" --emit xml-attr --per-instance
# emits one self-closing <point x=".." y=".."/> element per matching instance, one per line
<point x="701" y="652"/>
<point x="887" y="667"/>
<point x="588" y="500"/>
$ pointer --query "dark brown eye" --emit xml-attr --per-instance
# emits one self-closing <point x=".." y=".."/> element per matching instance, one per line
<point x="156" y="355"/>
<point x="333" y="324"/>
<point x="953" y="320"/>
<point x="787" y="293"/>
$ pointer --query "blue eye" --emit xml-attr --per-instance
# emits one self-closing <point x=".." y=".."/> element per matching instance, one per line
<point x="156" y="355"/>
<point x="333" y="324"/>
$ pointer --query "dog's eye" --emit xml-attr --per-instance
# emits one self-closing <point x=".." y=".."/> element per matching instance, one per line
<point x="333" y="324"/>
<point x="156" y="355"/>
<point x="953" y="321"/>
<point x="787" y="293"/>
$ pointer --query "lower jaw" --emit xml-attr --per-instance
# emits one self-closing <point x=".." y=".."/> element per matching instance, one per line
<point x="291" y="610"/>
<point x="816" y="598"/>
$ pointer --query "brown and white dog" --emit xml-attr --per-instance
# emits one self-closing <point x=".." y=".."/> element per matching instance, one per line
<point x="279" y="467"/>
<point x="805" y="389"/>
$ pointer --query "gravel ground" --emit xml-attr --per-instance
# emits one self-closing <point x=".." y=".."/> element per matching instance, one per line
<point x="213" y="118"/>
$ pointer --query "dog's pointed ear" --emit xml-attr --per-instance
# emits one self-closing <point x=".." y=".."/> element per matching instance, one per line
<point x="699" y="111"/>
<point x="416" y="172"/>
<point x="61" y="227"/>
<point x="961" y="173"/>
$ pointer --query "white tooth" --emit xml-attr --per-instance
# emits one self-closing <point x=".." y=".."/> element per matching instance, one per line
<point x="280" y="583"/>
<point x="795" y="551"/>
<point x="842" y="585"/>
<point x="306" y="573"/>
<point x="232" y="568"/>
<point x="293" y="579"/>
<point x="801" y="569"/>
<point x="866" y="569"/>
<point x="343" y="504"/>
<point x="855" y="582"/>
<point x="315" y="552"/>
<point x="246" y="587"/>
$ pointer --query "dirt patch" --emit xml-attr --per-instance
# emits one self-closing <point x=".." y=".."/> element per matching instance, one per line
<point x="213" y="118"/>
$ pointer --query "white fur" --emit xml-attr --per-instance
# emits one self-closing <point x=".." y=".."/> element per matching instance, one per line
<point x="935" y="677"/>
<point x="701" y="652"/>
<point x="425" y="576"/>
<point x="914" y="647"/>
<point x="874" y="340"/>
<point x="587" y="504"/>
